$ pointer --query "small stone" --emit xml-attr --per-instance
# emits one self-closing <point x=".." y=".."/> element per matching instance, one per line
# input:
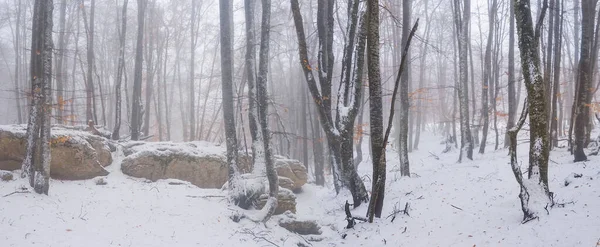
<point x="100" y="181"/>
<point x="302" y="227"/>
<point x="6" y="176"/>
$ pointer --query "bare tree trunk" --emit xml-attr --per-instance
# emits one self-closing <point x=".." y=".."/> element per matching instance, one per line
<point x="423" y="64"/>
<point x="404" y="98"/>
<point x="192" y="94"/>
<point x="512" y="101"/>
<point x="36" y="164"/>
<point x="136" y="113"/>
<point x="376" y="110"/>
<point x="462" y="24"/>
<point x="318" y="153"/>
<point x="263" y="105"/>
<point x="250" y="73"/>
<point x="150" y="67"/>
<point x="573" y="89"/>
<point x="339" y="130"/>
<point x="17" y="45"/>
<point x="60" y="77"/>
<point x="558" y="25"/>
<point x="487" y="78"/>
<point x="89" y="106"/>
<point x="535" y="195"/>
<point x="226" y="35"/>
<point x="120" y="71"/>
<point x="585" y="76"/>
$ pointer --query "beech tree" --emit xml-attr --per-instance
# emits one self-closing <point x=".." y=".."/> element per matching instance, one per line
<point x="136" y="107"/>
<point x="36" y="164"/>
<point x="461" y="22"/>
<point x="339" y="128"/>
<point x="226" y="37"/>
<point x="120" y="71"/>
<point x="585" y="71"/>
<point x="535" y="194"/>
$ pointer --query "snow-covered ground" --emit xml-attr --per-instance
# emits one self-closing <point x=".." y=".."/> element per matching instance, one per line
<point x="473" y="203"/>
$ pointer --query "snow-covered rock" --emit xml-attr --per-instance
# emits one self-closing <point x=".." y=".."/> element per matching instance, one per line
<point x="75" y="154"/>
<point x="6" y="176"/>
<point x="201" y="163"/>
<point x="308" y="227"/>
<point x="286" y="200"/>
<point x="293" y="170"/>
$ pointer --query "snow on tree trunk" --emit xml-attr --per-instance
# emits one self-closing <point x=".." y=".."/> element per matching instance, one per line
<point x="462" y="27"/>
<point x="37" y="157"/>
<point x="263" y="106"/>
<point x="136" y="111"/>
<point x="339" y="130"/>
<point x="535" y="195"/>
<point x="376" y="110"/>
<point x="120" y="71"/>
<point x="512" y="101"/>
<point x="226" y="36"/>
<point x="404" y="100"/>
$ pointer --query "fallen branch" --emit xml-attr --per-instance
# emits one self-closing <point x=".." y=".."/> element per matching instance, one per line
<point x="456" y="207"/>
<point x="258" y="236"/>
<point x="17" y="192"/>
<point x="434" y="156"/>
<point x="396" y="211"/>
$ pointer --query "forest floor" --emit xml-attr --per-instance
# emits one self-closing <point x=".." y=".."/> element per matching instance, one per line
<point x="474" y="203"/>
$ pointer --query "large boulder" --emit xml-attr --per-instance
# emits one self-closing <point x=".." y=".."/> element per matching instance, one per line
<point x="200" y="163"/>
<point x="196" y="162"/>
<point x="292" y="169"/>
<point x="286" y="200"/>
<point x="75" y="154"/>
<point x="6" y="176"/>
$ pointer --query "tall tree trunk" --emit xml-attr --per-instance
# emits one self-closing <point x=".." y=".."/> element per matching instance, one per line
<point x="18" y="79"/>
<point x="585" y="76"/>
<point x="558" y="22"/>
<point x="512" y="101"/>
<point x="250" y="73"/>
<point x="226" y="36"/>
<point x="376" y="110"/>
<point x="318" y="153"/>
<point x="404" y="97"/>
<point x="421" y="89"/>
<point x="487" y="77"/>
<point x="535" y="195"/>
<point x="573" y="89"/>
<point x="263" y="105"/>
<point x="192" y="93"/>
<point x="89" y="89"/>
<point x="339" y="130"/>
<point x="37" y="156"/>
<point x="136" y="112"/>
<point x="150" y="67"/>
<point x="60" y="77"/>
<point x="120" y="71"/>
<point x="462" y="24"/>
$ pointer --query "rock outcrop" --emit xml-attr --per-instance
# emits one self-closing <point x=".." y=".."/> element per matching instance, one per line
<point x="293" y="170"/>
<point x="75" y="154"/>
<point x="200" y="163"/>
<point x="6" y="176"/>
<point x="286" y="200"/>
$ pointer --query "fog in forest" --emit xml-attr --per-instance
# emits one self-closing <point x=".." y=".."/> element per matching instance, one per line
<point x="305" y="114"/>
